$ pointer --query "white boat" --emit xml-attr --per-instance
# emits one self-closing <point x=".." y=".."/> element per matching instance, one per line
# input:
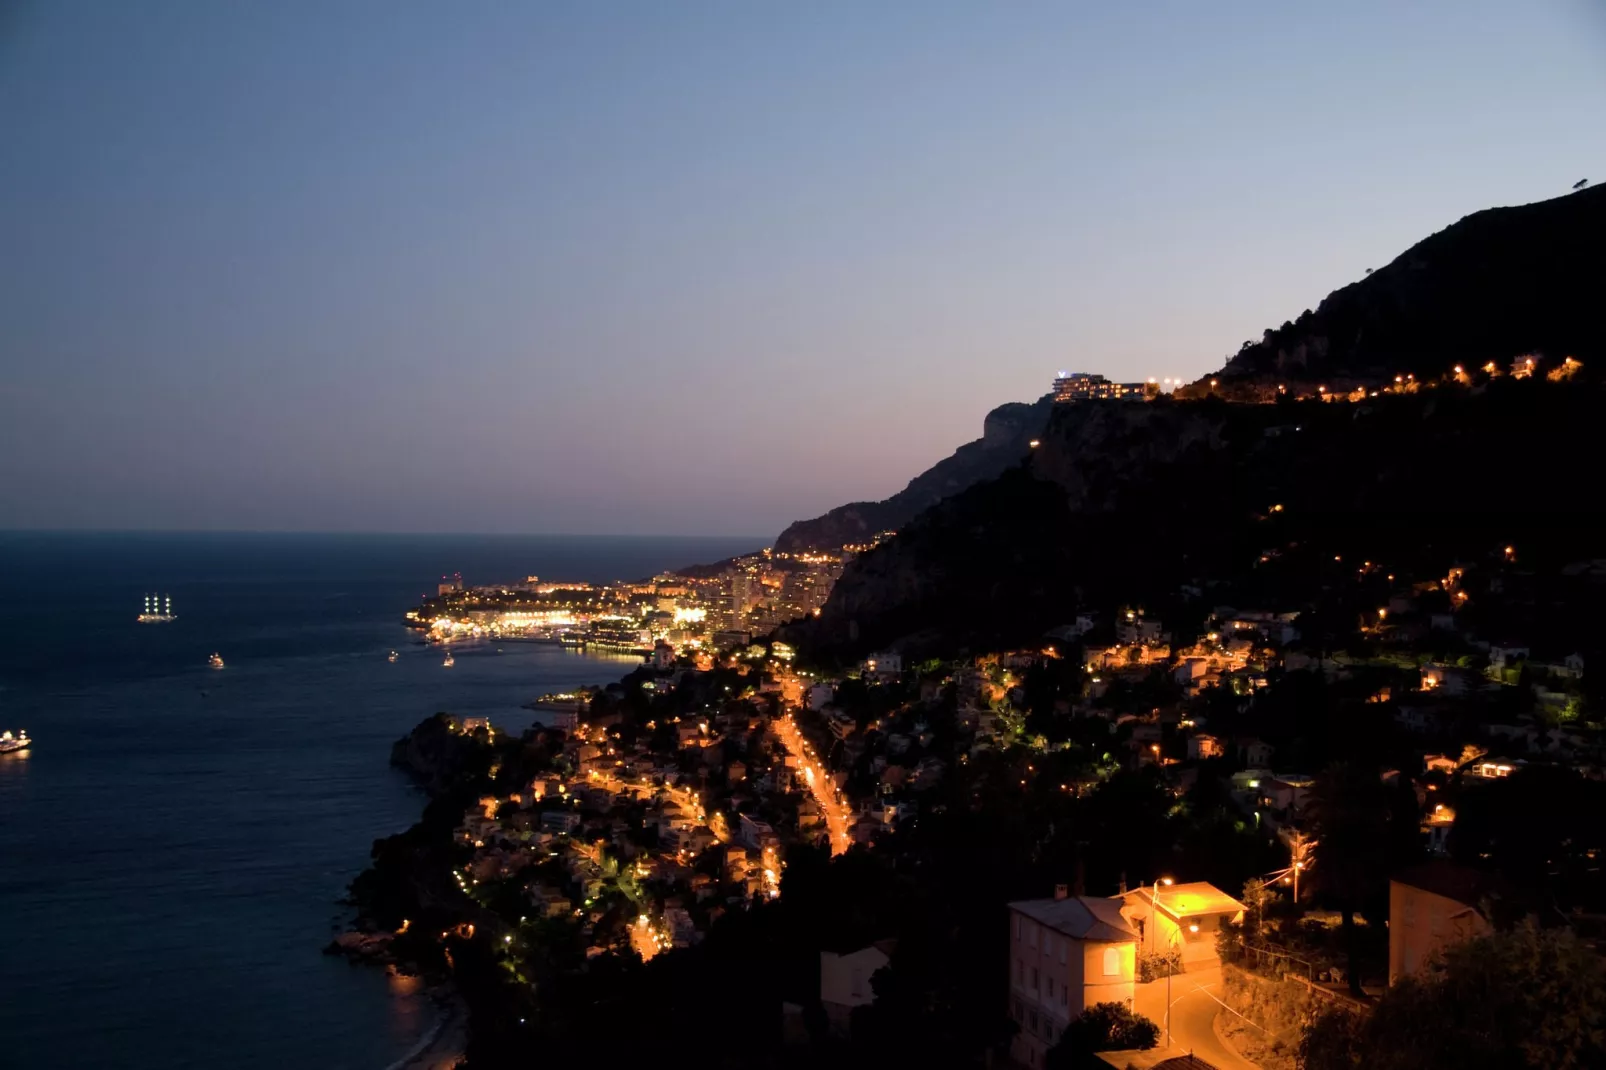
<point x="449" y="662"/>
<point x="158" y="610"/>
<point x="393" y="656"/>
<point x="11" y="744"/>
<point x="216" y="661"/>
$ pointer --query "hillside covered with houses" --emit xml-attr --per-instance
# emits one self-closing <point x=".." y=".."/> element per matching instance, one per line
<point x="1255" y="723"/>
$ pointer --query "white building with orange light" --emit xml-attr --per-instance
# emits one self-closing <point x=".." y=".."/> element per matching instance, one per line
<point x="1065" y="954"/>
<point x="1185" y="917"/>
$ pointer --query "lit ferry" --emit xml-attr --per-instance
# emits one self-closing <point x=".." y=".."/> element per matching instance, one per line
<point x="450" y="661"/>
<point x="393" y="656"/>
<point x="10" y="744"/>
<point x="216" y="661"/>
<point x="158" y="610"/>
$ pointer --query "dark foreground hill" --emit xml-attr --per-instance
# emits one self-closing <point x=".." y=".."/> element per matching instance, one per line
<point x="1005" y="434"/>
<point x="1496" y="285"/>
<point x="1133" y="502"/>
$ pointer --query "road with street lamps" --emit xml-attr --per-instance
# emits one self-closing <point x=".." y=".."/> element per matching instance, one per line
<point x="1193" y="1008"/>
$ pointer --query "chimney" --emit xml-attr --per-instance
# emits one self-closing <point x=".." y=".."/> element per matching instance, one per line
<point x="1061" y="891"/>
<point x="1123" y="883"/>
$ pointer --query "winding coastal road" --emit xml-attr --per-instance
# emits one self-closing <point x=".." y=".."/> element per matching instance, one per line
<point x="1194" y="1006"/>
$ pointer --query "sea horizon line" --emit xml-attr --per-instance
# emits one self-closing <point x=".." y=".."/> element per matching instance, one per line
<point x="762" y="540"/>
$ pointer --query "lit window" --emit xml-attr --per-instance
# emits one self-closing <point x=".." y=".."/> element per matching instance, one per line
<point x="1112" y="961"/>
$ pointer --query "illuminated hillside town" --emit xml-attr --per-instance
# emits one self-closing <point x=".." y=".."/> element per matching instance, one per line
<point x="1086" y="386"/>
<point x="697" y="610"/>
<point x="853" y="536"/>
<point x="639" y="818"/>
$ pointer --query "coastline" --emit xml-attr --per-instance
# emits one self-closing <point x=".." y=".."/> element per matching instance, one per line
<point x="446" y="1042"/>
<point x="433" y="768"/>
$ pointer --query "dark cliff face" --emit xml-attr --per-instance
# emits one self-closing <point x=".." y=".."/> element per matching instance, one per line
<point x="441" y="758"/>
<point x="1006" y="431"/>
<point x="1499" y="284"/>
<point x="1003" y="560"/>
<point x="1128" y="502"/>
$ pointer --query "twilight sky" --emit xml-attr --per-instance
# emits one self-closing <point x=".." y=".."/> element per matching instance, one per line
<point x="689" y="267"/>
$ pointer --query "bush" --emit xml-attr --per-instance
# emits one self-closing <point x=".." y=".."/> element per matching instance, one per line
<point x="1154" y="965"/>
<point x="1102" y="1027"/>
<point x="1530" y="998"/>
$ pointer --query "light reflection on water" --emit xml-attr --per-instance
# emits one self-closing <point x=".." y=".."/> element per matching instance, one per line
<point x="174" y="856"/>
<point x="410" y="1012"/>
<point x="174" y="847"/>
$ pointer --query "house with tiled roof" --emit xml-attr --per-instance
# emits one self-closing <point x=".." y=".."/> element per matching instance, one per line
<point x="1432" y="906"/>
<point x="1181" y="917"/>
<point x="1066" y="954"/>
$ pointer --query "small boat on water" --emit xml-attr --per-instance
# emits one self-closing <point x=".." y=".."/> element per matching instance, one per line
<point x="450" y="661"/>
<point x="11" y="744"/>
<point x="393" y="656"/>
<point x="216" y="661"/>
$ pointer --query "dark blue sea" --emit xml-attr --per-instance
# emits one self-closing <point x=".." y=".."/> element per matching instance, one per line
<point x="174" y="849"/>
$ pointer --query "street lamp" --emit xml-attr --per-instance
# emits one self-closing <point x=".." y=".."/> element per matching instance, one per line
<point x="1154" y="899"/>
<point x="1176" y="939"/>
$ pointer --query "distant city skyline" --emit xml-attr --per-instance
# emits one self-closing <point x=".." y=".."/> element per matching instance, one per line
<point x="696" y="268"/>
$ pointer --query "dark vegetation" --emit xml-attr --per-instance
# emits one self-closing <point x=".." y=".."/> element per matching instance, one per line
<point x="1528" y="998"/>
<point x="1097" y="518"/>
<point x="1102" y="1027"/>
<point x="1498" y="284"/>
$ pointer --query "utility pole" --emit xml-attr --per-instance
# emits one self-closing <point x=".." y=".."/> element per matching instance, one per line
<point x="1168" y="999"/>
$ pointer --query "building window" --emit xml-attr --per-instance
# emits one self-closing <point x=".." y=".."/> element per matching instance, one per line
<point x="1034" y="978"/>
<point x="1062" y="952"/>
<point x="1017" y="928"/>
<point x="1031" y="935"/>
<point x="1112" y="961"/>
<point x="1020" y="1015"/>
<point x="1032" y="1016"/>
<point x="1051" y="988"/>
<point x="1020" y="970"/>
<point x="1065" y="996"/>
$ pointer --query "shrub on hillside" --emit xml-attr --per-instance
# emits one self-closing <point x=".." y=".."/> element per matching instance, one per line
<point x="1102" y="1027"/>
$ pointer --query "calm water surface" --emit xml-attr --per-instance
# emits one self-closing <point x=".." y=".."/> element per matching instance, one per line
<point x="173" y="851"/>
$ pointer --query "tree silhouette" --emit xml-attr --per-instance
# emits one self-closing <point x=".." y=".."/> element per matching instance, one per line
<point x="1527" y="998"/>
<point x="1350" y="811"/>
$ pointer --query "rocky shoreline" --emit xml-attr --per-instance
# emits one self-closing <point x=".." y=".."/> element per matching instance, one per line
<point x="410" y="915"/>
